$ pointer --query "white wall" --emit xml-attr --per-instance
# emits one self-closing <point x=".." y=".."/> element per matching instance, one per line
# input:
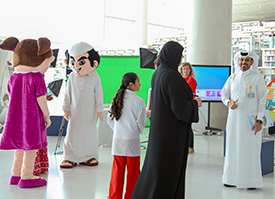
<point x="106" y="24"/>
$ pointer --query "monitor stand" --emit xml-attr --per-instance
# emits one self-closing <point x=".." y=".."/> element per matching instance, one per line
<point x="211" y="130"/>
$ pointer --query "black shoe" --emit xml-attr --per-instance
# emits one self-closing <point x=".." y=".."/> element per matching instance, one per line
<point x="228" y="185"/>
<point x="251" y="188"/>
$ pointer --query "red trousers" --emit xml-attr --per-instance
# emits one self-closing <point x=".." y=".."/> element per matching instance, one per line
<point x="118" y="173"/>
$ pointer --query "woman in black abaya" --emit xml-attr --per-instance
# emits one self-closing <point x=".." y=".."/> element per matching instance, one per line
<point x="173" y="110"/>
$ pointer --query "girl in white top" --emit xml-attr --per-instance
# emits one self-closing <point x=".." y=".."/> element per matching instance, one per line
<point x="127" y="118"/>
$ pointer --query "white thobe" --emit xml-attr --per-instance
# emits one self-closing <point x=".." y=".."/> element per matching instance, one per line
<point x="242" y="166"/>
<point x="83" y="98"/>
<point x="127" y="129"/>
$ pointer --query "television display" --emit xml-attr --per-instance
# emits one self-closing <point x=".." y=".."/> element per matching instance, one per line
<point x="55" y="54"/>
<point x="210" y="79"/>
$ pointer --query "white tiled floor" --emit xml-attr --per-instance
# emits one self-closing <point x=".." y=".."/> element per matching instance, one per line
<point x="203" y="180"/>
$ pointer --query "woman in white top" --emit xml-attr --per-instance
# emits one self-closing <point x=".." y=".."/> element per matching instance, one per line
<point x="127" y="118"/>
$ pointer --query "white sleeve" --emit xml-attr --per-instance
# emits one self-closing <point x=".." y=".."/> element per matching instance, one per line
<point x="68" y="96"/>
<point x="110" y="122"/>
<point x="141" y="117"/>
<point x="149" y="98"/>
<point x="226" y="91"/>
<point x="98" y="95"/>
<point x="261" y="91"/>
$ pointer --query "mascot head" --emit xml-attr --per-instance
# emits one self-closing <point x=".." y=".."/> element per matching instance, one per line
<point x="82" y="58"/>
<point x="29" y="54"/>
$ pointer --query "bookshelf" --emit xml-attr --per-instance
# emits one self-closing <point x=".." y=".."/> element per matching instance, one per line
<point x="268" y="64"/>
<point x="268" y="73"/>
<point x="268" y="57"/>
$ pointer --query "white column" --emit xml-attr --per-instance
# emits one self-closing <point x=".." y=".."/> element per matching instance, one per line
<point x="209" y="33"/>
<point x="142" y="22"/>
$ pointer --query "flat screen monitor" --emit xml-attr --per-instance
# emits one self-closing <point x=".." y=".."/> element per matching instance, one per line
<point x="210" y="79"/>
<point x="55" y="54"/>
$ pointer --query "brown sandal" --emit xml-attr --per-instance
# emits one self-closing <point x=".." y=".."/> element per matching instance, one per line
<point x="90" y="162"/>
<point x="71" y="164"/>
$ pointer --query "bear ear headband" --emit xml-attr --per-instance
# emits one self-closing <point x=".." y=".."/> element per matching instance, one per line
<point x="44" y="45"/>
<point x="9" y="44"/>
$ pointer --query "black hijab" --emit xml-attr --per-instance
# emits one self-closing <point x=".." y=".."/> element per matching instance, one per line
<point x="170" y="54"/>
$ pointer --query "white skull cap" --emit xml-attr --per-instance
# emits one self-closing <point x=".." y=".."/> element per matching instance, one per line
<point x="80" y="48"/>
<point x="254" y="56"/>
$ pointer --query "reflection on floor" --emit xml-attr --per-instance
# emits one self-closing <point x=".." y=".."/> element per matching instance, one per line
<point x="203" y="179"/>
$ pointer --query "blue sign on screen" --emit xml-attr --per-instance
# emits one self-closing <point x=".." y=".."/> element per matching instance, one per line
<point x="210" y="81"/>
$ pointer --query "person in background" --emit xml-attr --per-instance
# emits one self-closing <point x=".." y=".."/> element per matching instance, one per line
<point x="271" y="40"/>
<point x="244" y="93"/>
<point x="187" y="72"/>
<point x="127" y="118"/>
<point x="173" y="111"/>
<point x="41" y="164"/>
<point x="156" y="63"/>
<point x="149" y="101"/>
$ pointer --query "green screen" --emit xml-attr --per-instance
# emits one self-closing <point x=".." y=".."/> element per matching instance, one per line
<point x="112" y="68"/>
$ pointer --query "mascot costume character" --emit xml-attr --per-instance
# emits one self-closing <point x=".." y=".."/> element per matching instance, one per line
<point x="83" y="105"/>
<point x="28" y="115"/>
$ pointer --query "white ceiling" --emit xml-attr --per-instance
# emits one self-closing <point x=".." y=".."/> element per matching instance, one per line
<point x="253" y="10"/>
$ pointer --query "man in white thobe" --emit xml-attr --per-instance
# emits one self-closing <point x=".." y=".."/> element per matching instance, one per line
<point x="83" y="105"/>
<point x="244" y="93"/>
